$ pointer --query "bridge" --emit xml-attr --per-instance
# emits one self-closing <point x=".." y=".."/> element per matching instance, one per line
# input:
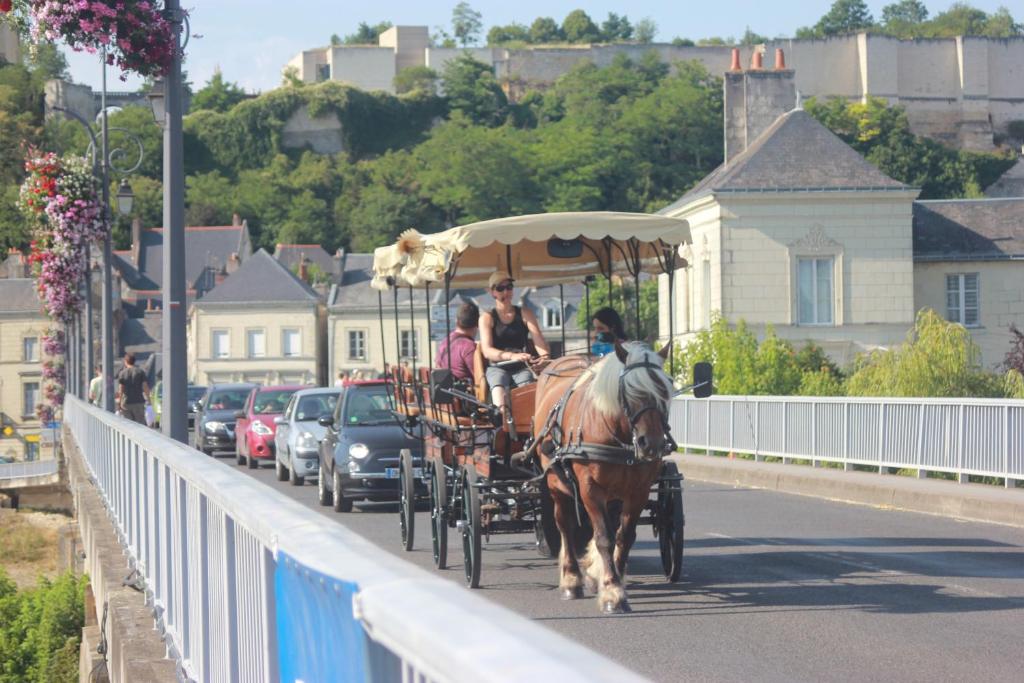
<point x="249" y="579"/>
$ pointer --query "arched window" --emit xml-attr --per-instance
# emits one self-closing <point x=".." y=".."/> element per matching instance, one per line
<point x="553" y="315"/>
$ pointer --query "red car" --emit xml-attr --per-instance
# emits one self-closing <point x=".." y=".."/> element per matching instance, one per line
<point x="254" y="426"/>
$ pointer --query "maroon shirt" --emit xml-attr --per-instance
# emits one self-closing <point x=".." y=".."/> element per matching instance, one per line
<point x="463" y="348"/>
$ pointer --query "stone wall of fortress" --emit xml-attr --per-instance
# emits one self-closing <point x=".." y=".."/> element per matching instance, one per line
<point x="957" y="90"/>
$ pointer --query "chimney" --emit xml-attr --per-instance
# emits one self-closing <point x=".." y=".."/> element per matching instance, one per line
<point x="756" y="60"/>
<point x="136" y="240"/>
<point x="236" y="220"/>
<point x="233" y="263"/>
<point x="753" y="100"/>
<point x="736" y="66"/>
<point x="303" y="267"/>
<point x="218" y="277"/>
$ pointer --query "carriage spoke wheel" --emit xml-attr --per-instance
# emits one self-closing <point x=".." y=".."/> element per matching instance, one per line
<point x="406" y="498"/>
<point x="438" y="521"/>
<point x="669" y="521"/>
<point x="549" y="539"/>
<point x="471" y="526"/>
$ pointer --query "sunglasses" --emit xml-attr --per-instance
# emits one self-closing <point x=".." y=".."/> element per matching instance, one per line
<point x="503" y="288"/>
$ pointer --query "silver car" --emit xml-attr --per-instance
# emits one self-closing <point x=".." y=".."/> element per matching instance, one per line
<point x="298" y="434"/>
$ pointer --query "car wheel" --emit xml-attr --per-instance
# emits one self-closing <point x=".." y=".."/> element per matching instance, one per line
<point x="341" y="503"/>
<point x="323" y="496"/>
<point x="293" y="478"/>
<point x="280" y="470"/>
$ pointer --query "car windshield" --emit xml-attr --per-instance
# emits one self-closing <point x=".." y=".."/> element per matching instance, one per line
<point x="367" y="405"/>
<point x="196" y="393"/>
<point x="228" y="399"/>
<point x="272" y="402"/>
<point x="312" y="407"/>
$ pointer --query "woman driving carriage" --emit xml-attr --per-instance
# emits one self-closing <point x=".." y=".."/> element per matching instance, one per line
<point x="504" y="336"/>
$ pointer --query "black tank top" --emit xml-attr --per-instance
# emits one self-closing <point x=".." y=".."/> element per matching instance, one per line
<point x="514" y="335"/>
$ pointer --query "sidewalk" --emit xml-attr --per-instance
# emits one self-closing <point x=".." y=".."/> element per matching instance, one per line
<point x="976" y="502"/>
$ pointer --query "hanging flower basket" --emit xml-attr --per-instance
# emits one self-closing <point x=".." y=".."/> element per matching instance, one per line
<point x="134" y="33"/>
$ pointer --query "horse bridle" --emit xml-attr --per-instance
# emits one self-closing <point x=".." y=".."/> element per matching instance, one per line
<point x="670" y="443"/>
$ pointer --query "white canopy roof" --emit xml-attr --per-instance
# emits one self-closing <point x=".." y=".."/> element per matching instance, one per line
<point x="612" y="241"/>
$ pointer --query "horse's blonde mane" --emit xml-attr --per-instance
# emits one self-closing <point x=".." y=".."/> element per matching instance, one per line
<point x="640" y="385"/>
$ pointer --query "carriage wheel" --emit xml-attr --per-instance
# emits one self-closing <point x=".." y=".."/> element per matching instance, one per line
<point x="406" y="498"/>
<point x="549" y="539"/>
<point x="670" y="521"/>
<point x="471" y="526"/>
<point x="438" y="521"/>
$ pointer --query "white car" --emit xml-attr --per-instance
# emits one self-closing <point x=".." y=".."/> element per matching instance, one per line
<point x="298" y="434"/>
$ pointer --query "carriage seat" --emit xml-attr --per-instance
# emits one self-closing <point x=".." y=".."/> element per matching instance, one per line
<point x="522" y="398"/>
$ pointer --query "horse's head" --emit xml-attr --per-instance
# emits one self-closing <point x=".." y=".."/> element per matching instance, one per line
<point x="645" y="391"/>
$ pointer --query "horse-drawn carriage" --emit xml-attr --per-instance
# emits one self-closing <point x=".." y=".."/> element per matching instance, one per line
<point x="577" y="458"/>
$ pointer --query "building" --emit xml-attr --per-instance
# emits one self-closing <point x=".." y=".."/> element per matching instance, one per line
<point x="261" y="324"/>
<point x="10" y="46"/>
<point x="311" y="262"/>
<point x="796" y="230"/>
<point x="958" y="90"/>
<point x="22" y="326"/>
<point x="358" y="340"/>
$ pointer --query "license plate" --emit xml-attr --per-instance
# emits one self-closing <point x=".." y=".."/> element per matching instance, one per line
<point x="392" y="472"/>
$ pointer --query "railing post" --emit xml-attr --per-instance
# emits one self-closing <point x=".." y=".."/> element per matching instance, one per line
<point x="815" y="462"/>
<point x="231" y="599"/>
<point x="785" y="432"/>
<point x="847" y="465"/>
<point x="922" y="473"/>
<point x="961" y="477"/>
<point x="882" y="414"/>
<point x="732" y="424"/>
<point x="268" y="567"/>
<point x="757" y="432"/>
<point x="707" y="428"/>
<point x="1007" y="481"/>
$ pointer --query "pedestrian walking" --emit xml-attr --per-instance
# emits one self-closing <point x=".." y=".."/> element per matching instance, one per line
<point x="132" y="390"/>
<point x="96" y="388"/>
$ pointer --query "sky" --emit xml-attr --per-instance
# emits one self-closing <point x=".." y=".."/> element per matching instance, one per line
<point x="251" y="40"/>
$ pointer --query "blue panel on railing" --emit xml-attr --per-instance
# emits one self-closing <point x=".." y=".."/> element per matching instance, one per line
<point x="318" y="637"/>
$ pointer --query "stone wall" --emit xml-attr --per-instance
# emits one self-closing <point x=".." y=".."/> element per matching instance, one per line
<point x="321" y="134"/>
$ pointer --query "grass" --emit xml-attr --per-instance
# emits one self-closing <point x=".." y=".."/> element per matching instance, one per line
<point x="29" y="545"/>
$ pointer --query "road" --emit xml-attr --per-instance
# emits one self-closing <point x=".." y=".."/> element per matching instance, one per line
<point x="775" y="588"/>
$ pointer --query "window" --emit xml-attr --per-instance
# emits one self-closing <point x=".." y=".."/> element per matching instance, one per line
<point x="962" y="299"/>
<point x="814" y="290"/>
<point x="220" y="344"/>
<point x="552" y="315"/>
<point x="30" y="349"/>
<point x="31" y="450"/>
<point x="357" y="344"/>
<point x="707" y="293"/>
<point x="407" y="344"/>
<point x="255" y="343"/>
<point x="291" y="343"/>
<point x="29" y="398"/>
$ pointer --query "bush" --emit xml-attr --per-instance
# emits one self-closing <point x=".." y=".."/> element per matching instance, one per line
<point x="40" y="630"/>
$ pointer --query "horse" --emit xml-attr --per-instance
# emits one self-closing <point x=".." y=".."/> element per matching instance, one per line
<point x="601" y="431"/>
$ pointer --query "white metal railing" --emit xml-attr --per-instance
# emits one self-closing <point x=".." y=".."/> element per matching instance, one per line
<point x="963" y="436"/>
<point x="248" y="584"/>
<point x="31" y="468"/>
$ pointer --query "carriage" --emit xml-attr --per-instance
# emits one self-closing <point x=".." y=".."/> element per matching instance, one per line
<point x="487" y="475"/>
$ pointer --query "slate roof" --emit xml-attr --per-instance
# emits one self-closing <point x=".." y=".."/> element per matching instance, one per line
<point x="290" y="254"/>
<point x="1010" y="184"/>
<point x="796" y="153"/>
<point x="969" y="229"/>
<point x="261" y="279"/>
<point x="207" y="250"/>
<point x="19" y="295"/>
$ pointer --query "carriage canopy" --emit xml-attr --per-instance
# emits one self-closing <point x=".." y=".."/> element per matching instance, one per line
<point x="536" y="249"/>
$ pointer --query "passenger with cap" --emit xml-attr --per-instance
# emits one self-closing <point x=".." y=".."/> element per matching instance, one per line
<point x="505" y="333"/>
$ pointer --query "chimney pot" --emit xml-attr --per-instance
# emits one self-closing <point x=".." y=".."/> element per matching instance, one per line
<point x="756" y="61"/>
<point x="303" y="267"/>
<point x="236" y="220"/>
<point x="735" y="60"/>
<point x="780" y="59"/>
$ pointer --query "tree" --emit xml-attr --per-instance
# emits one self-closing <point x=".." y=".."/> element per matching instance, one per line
<point x="904" y="13"/>
<point x="578" y="27"/>
<point x="751" y="38"/>
<point x="502" y="35"/>
<point x="336" y="40"/>
<point x="217" y="94"/>
<point x="471" y="88"/>
<point x="209" y="199"/>
<point x="466" y="24"/>
<point x="1015" y="356"/>
<point x="845" y="16"/>
<point x="623" y="300"/>
<point x="1000" y="24"/>
<point x="366" y="34"/>
<point x="545" y="30"/>
<point x="645" y="31"/>
<point x="416" y="79"/>
<point x="959" y="20"/>
<point x="616" y="29"/>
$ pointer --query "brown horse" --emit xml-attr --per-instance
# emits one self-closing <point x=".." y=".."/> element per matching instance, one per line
<point x="621" y="403"/>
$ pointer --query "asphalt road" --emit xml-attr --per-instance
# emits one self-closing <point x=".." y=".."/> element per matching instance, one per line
<point x="775" y="588"/>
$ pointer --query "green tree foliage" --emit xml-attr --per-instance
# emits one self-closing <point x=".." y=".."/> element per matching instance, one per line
<point x="366" y="34"/>
<point x="40" y="630"/>
<point x="882" y="134"/>
<point x="416" y="79"/>
<point x="938" y="359"/>
<point x="578" y="27"/>
<point x="751" y="38"/>
<point x="1015" y="356"/>
<point x="21" y="125"/>
<point x="504" y="35"/>
<point x="472" y="89"/>
<point x="623" y="300"/>
<point x="616" y="28"/>
<point x="545" y="30"/>
<point x="467" y="24"/>
<point x="645" y="31"/>
<point x="845" y="16"/>
<point x="217" y="94"/>
<point x="909" y="19"/>
<point x="904" y="18"/>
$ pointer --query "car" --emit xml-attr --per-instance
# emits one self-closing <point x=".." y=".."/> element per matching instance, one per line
<point x="298" y="434"/>
<point x="215" y="416"/>
<point x="360" y="449"/>
<point x="195" y="392"/>
<point x="254" y="424"/>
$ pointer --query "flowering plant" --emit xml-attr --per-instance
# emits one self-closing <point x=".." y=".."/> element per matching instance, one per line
<point x="135" y="34"/>
<point x="54" y="375"/>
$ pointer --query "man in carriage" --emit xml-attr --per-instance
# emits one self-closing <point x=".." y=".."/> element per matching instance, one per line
<point x="456" y="352"/>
